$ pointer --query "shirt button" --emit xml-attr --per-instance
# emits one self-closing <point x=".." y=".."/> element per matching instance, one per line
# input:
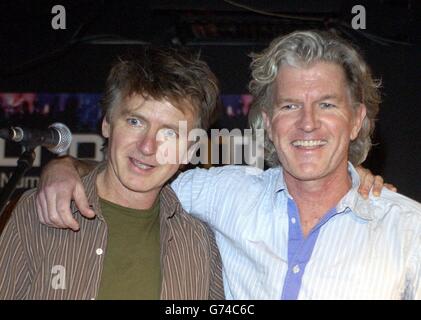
<point x="293" y="220"/>
<point x="296" y="269"/>
<point x="99" y="251"/>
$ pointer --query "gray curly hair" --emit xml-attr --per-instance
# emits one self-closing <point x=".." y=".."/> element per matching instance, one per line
<point x="303" y="48"/>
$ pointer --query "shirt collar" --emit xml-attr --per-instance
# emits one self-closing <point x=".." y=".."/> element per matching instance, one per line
<point x="169" y="202"/>
<point x="89" y="183"/>
<point x="352" y="200"/>
<point x="280" y="184"/>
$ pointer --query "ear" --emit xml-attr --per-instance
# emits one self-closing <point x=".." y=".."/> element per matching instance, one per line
<point x="267" y="123"/>
<point x="105" y="128"/>
<point x="359" y="116"/>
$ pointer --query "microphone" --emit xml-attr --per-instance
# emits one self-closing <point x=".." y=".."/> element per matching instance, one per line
<point x="56" y="138"/>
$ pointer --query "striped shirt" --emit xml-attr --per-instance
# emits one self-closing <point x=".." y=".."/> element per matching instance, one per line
<point x="362" y="249"/>
<point x="39" y="262"/>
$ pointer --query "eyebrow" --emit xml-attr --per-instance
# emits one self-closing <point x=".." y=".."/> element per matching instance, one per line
<point x="292" y="100"/>
<point x="328" y="97"/>
<point x="175" y="128"/>
<point x="129" y="113"/>
<point x="283" y="100"/>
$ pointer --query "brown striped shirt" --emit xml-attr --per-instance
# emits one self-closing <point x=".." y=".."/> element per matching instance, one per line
<point x="39" y="262"/>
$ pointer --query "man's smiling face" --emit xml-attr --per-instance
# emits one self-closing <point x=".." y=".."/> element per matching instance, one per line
<point x="313" y="120"/>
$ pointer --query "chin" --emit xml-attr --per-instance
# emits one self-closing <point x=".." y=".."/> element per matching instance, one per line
<point x="306" y="172"/>
<point x="136" y="184"/>
<point x="140" y="188"/>
<point x="308" y="177"/>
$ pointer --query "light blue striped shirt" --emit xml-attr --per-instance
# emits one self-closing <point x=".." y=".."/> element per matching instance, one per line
<point x="368" y="249"/>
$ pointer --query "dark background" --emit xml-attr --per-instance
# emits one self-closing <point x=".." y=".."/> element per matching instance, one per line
<point x="36" y="58"/>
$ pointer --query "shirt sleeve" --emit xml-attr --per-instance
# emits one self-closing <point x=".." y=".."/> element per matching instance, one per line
<point x="197" y="191"/>
<point x="217" y="194"/>
<point x="14" y="273"/>
<point x="416" y="285"/>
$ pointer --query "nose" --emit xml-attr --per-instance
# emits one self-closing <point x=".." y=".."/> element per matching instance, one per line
<point x="147" y="144"/>
<point x="308" y="119"/>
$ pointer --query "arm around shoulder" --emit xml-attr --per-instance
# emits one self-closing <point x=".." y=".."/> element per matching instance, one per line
<point x="59" y="184"/>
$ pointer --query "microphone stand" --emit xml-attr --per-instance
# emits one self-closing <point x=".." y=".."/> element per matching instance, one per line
<point x="25" y="162"/>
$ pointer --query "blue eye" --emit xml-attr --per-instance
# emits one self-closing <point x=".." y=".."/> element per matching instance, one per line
<point x="290" y="107"/>
<point x="325" y="105"/>
<point x="134" y="122"/>
<point x="169" y="133"/>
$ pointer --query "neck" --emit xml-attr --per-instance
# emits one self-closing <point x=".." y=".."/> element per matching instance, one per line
<point x="112" y="190"/>
<point x="315" y="197"/>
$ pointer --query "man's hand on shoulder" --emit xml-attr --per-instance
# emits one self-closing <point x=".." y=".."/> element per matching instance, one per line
<point x="371" y="182"/>
<point x="59" y="184"/>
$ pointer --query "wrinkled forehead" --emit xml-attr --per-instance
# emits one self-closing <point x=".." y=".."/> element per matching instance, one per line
<point x="162" y="109"/>
<point x="321" y="78"/>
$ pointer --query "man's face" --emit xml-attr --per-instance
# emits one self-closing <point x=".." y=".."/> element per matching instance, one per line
<point x="313" y="121"/>
<point x="142" y="133"/>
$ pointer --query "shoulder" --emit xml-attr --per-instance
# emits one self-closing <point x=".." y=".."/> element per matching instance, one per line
<point x="180" y="220"/>
<point x="230" y="174"/>
<point x="389" y="199"/>
<point x="194" y="225"/>
<point x="23" y="219"/>
<point x="401" y="209"/>
<point x="26" y="206"/>
<point x="197" y="235"/>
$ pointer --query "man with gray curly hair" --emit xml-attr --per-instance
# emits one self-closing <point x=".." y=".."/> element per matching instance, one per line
<point x="301" y="230"/>
<point x="302" y="50"/>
